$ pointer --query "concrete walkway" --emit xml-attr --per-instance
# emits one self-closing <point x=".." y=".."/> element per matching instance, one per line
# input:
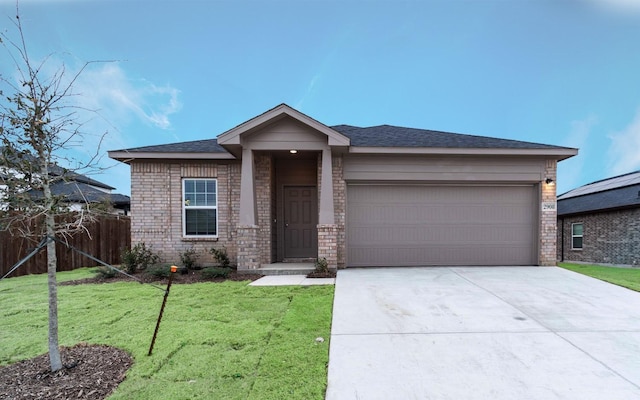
<point x="289" y="280"/>
<point x="482" y="333"/>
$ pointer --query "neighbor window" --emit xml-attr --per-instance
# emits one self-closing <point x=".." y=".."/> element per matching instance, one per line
<point x="200" y="207"/>
<point x="576" y="236"/>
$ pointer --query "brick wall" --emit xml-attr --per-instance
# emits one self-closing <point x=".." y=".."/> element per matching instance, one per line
<point x="609" y="238"/>
<point x="548" y="226"/>
<point x="156" y="207"/>
<point x="263" y="192"/>
<point x="340" y="208"/>
<point x="327" y="244"/>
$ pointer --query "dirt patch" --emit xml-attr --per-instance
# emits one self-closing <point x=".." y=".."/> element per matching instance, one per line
<point x="90" y="372"/>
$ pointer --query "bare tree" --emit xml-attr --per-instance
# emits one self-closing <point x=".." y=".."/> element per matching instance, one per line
<point x="39" y="126"/>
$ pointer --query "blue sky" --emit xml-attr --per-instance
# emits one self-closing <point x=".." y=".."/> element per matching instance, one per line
<point x="563" y="72"/>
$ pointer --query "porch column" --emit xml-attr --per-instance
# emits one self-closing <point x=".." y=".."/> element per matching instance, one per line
<point x="247" y="190"/>
<point x="327" y="228"/>
<point x="326" y="216"/>
<point x="247" y="233"/>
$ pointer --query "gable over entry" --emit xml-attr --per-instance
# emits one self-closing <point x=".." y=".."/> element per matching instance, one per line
<point x="286" y="187"/>
<point x="284" y="129"/>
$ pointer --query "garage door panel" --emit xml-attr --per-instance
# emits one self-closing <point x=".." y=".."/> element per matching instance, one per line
<point x="440" y="225"/>
<point x="438" y="235"/>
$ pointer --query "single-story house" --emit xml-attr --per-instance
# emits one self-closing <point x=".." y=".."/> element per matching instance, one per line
<point x="600" y="222"/>
<point x="284" y="187"/>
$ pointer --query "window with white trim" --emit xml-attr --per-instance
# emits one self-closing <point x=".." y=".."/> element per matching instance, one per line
<point x="200" y="207"/>
<point x="577" y="232"/>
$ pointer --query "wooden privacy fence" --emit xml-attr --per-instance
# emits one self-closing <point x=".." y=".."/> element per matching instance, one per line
<point x="107" y="236"/>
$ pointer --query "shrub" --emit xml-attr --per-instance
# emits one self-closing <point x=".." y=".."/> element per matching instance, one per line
<point x="160" y="271"/>
<point x="189" y="258"/>
<point x="221" y="257"/>
<point x="105" y="272"/>
<point x="322" y="266"/>
<point x="139" y="257"/>
<point x="129" y="262"/>
<point x="215" y="272"/>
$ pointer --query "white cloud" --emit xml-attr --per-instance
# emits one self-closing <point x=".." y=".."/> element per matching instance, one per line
<point x="619" y="6"/>
<point x="109" y="90"/>
<point x="624" y="151"/>
<point x="570" y="171"/>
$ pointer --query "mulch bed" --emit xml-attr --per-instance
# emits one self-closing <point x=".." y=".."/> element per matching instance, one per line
<point x="326" y="274"/>
<point x="90" y="372"/>
<point x="191" y="277"/>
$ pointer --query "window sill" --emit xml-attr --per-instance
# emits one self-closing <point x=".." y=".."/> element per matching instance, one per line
<point x="200" y="239"/>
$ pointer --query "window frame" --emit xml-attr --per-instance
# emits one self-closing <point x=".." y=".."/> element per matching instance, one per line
<point x="186" y="207"/>
<point x="574" y="236"/>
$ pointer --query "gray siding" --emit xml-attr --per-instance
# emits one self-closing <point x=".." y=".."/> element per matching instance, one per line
<point x="437" y="168"/>
<point x="286" y="134"/>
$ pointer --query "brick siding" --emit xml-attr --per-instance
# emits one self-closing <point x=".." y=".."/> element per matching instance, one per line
<point x="263" y="192"/>
<point x="340" y="209"/>
<point x="156" y="207"/>
<point x="548" y="226"/>
<point x="609" y="238"/>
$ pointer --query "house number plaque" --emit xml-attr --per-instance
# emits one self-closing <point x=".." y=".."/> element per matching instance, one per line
<point x="548" y="206"/>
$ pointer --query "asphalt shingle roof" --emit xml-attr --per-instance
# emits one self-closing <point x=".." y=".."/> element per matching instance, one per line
<point x="78" y="192"/>
<point x="374" y="136"/>
<point x="56" y="170"/>
<point x="621" y="191"/>
<point x="396" y="136"/>
<point x="617" y="198"/>
<point x="196" y="146"/>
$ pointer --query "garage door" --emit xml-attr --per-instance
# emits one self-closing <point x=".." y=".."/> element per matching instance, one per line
<point x="410" y="225"/>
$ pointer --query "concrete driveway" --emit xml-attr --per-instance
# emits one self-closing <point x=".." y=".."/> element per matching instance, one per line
<point x="482" y="333"/>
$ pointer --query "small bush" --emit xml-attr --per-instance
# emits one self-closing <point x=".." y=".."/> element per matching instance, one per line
<point x="140" y="257"/>
<point x="160" y="271"/>
<point x="189" y="259"/>
<point x="221" y="257"/>
<point x="215" y="272"/>
<point x="322" y="266"/>
<point x="129" y="262"/>
<point x="105" y="272"/>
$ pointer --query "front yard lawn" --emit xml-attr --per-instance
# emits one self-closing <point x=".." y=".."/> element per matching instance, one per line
<point x="626" y="277"/>
<point x="217" y="340"/>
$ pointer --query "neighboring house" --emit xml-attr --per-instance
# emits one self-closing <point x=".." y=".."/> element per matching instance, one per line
<point x="600" y="222"/>
<point x="78" y="190"/>
<point x="285" y="187"/>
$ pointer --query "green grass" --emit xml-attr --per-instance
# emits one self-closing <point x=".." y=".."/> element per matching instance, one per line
<point x="217" y="340"/>
<point x="625" y="277"/>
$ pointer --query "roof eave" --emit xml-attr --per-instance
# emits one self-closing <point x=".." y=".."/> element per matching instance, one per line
<point x="599" y="210"/>
<point x="559" y="154"/>
<point x="126" y="156"/>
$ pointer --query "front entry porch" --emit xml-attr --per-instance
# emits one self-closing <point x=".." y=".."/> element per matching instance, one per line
<point x="291" y="199"/>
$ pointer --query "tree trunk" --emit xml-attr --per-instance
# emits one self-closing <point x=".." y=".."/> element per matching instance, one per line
<point x="54" y="351"/>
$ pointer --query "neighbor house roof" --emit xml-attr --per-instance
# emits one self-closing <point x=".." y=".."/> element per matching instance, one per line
<point x="374" y="139"/>
<point x="56" y="170"/>
<point x="622" y="191"/>
<point x="79" y="192"/>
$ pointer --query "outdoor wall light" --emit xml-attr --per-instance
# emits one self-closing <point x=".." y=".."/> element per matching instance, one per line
<point x="548" y="181"/>
<point x="293" y="151"/>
